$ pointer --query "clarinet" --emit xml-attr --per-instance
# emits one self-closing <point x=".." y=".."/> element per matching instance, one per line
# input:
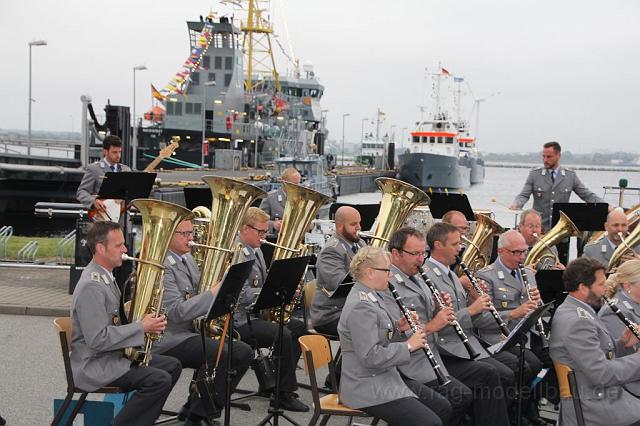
<point x="539" y="324"/>
<point x="442" y="379"/>
<point x="631" y="326"/>
<point x="494" y="312"/>
<point x="473" y="354"/>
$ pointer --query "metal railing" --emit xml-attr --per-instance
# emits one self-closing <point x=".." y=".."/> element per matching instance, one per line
<point x="6" y="232"/>
<point x="63" y="246"/>
<point x="28" y="252"/>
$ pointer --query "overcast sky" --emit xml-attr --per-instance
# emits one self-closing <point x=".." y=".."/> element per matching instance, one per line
<point x="566" y="70"/>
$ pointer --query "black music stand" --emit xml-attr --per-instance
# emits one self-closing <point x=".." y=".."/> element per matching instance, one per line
<point x="586" y="216"/>
<point x="197" y="196"/>
<point x="518" y="336"/>
<point x="224" y="304"/>
<point x="551" y="286"/>
<point x="442" y="202"/>
<point x="278" y="290"/>
<point x="368" y="212"/>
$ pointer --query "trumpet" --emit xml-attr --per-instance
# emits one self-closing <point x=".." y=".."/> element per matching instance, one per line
<point x="442" y="379"/>
<point x="473" y="354"/>
<point x="630" y="325"/>
<point x="494" y="312"/>
<point x="539" y="324"/>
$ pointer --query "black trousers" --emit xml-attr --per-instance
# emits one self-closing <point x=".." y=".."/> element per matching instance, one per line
<point x="265" y="334"/>
<point x="483" y="378"/>
<point x="457" y="394"/>
<point x="189" y="353"/>
<point x="330" y="328"/>
<point x="404" y="412"/>
<point x="152" y="385"/>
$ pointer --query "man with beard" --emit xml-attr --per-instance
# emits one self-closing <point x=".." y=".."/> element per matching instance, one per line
<point x="581" y="340"/>
<point x="601" y="251"/>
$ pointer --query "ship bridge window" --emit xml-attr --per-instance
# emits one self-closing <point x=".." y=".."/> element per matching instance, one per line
<point x="212" y="76"/>
<point x="228" y="63"/>
<point x="217" y="62"/>
<point x="449" y="140"/>
<point x="195" y="78"/>
<point x="206" y="61"/>
<point x="416" y="139"/>
<point x="193" y="108"/>
<point x="174" y="108"/>
<point x="314" y="93"/>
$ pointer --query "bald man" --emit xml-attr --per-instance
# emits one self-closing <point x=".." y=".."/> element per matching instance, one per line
<point x="457" y="219"/>
<point x="602" y="250"/>
<point x="332" y="268"/>
<point x="274" y="204"/>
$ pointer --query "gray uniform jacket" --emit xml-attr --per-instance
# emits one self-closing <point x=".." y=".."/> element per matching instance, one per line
<point x="448" y="341"/>
<point x="273" y="205"/>
<point x="580" y="340"/>
<point x="507" y="293"/>
<point x="546" y="192"/>
<point x="416" y="297"/>
<point x="602" y="251"/>
<point x="92" y="179"/>
<point x="181" y="300"/>
<point x="370" y="352"/>
<point x="253" y="286"/>
<point x="332" y="267"/>
<point x="97" y="342"/>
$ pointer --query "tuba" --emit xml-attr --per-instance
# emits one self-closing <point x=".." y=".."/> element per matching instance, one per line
<point x="475" y="256"/>
<point x="201" y="220"/>
<point x="230" y="200"/>
<point x="159" y="221"/>
<point x="633" y="215"/>
<point x="626" y="245"/>
<point x="301" y="207"/>
<point x="398" y="200"/>
<point x="540" y="253"/>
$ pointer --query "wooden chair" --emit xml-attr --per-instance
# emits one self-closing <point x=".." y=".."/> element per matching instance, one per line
<point x="63" y="327"/>
<point x="569" y="388"/>
<point x="316" y="352"/>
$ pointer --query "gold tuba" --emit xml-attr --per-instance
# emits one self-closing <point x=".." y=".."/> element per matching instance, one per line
<point x="202" y="218"/>
<point x="398" y="200"/>
<point x="626" y="245"/>
<point x="301" y="207"/>
<point x="159" y="221"/>
<point x="230" y="200"/>
<point x="633" y="215"/>
<point x="477" y="255"/>
<point x="540" y="253"/>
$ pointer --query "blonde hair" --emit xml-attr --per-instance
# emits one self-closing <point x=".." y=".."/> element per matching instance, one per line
<point x="366" y="257"/>
<point x="288" y="173"/>
<point x="628" y="272"/>
<point x="254" y="215"/>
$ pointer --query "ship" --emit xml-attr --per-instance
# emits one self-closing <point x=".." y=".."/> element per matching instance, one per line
<point x="442" y="154"/>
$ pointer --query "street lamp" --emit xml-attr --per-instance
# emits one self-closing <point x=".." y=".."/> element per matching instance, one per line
<point x="343" y="117"/>
<point x="204" y="121"/>
<point x="362" y="136"/>
<point x="134" y="144"/>
<point x="32" y="43"/>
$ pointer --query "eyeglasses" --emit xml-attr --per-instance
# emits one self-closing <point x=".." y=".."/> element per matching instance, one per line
<point x="532" y="226"/>
<point x="387" y="270"/>
<point x="415" y="253"/>
<point x="518" y="252"/>
<point x="185" y="234"/>
<point x="259" y="231"/>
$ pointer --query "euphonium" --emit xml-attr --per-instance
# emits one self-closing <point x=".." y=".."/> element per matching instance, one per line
<point x="540" y="251"/>
<point x="633" y="216"/>
<point x="202" y="218"/>
<point x="475" y="255"/>
<point x="230" y="200"/>
<point x="159" y="221"/>
<point x="398" y="200"/>
<point x="300" y="209"/>
<point x="626" y="245"/>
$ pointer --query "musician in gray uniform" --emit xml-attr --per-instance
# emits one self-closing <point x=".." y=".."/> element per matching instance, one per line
<point x="602" y="250"/>
<point x="274" y="204"/>
<point x="332" y="267"/>
<point x="99" y="337"/>
<point x="582" y="341"/>
<point x="372" y="350"/>
<point x="530" y="226"/>
<point x="183" y="304"/>
<point x="93" y="176"/>
<point x="259" y="332"/>
<point x="407" y="247"/>
<point x="551" y="184"/>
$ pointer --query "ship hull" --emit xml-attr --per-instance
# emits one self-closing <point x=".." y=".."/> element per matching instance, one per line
<point x="477" y="171"/>
<point x="426" y="170"/>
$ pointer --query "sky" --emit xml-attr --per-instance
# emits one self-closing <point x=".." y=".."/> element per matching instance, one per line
<point x="558" y="70"/>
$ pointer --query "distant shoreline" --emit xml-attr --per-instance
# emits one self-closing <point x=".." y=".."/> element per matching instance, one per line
<point x="571" y="166"/>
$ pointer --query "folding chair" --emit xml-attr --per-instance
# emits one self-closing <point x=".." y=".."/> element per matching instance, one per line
<point x="569" y="388"/>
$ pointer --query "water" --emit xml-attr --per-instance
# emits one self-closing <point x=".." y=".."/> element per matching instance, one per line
<point x="503" y="184"/>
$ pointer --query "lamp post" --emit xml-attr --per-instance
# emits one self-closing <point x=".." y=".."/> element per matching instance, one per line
<point x="134" y="143"/>
<point x="343" y="117"/>
<point x="204" y="119"/>
<point x="404" y="129"/>
<point x="362" y="136"/>
<point x="32" y="43"/>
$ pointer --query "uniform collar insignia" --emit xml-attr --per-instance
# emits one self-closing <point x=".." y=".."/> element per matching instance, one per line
<point x="172" y="261"/>
<point x="363" y="296"/>
<point x="582" y="313"/>
<point x="246" y="252"/>
<point x="95" y="277"/>
<point x="627" y="304"/>
<point x="105" y="279"/>
<point x="437" y="271"/>
<point x="544" y="172"/>
<point x="372" y="297"/>
<point x="501" y="275"/>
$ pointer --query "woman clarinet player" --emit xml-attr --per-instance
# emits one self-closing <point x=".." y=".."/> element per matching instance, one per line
<point x="370" y="353"/>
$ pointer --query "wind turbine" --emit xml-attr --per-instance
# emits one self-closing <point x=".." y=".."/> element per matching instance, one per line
<point x="476" y="106"/>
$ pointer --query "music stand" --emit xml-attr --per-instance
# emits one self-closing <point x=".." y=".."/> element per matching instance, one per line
<point x="442" y="202"/>
<point x="278" y="290"/>
<point x="197" y="196"/>
<point x="586" y="216"/>
<point x="518" y="336"/>
<point x="551" y="286"/>
<point x="368" y="212"/>
<point x="224" y="304"/>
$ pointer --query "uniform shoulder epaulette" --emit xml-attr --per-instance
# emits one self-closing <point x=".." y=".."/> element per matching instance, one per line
<point x="333" y="242"/>
<point x="487" y="268"/>
<point x="582" y="313"/>
<point x="363" y="296"/>
<point x="567" y="169"/>
<point x="95" y="276"/>
<point x="536" y="168"/>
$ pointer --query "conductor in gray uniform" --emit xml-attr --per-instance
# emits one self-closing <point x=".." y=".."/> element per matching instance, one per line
<point x="93" y="176"/>
<point x="602" y="250"/>
<point x="274" y="204"/>
<point x="580" y="340"/>
<point x="99" y="337"/>
<point x="183" y="304"/>
<point x="373" y="349"/>
<point x="551" y="184"/>
<point x="332" y="267"/>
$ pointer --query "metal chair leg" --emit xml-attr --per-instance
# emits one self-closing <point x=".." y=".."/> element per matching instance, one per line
<point x="62" y="409"/>
<point x="76" y="409"/>
<point x="325" y="420"/>
<point x="314" y="419"/>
